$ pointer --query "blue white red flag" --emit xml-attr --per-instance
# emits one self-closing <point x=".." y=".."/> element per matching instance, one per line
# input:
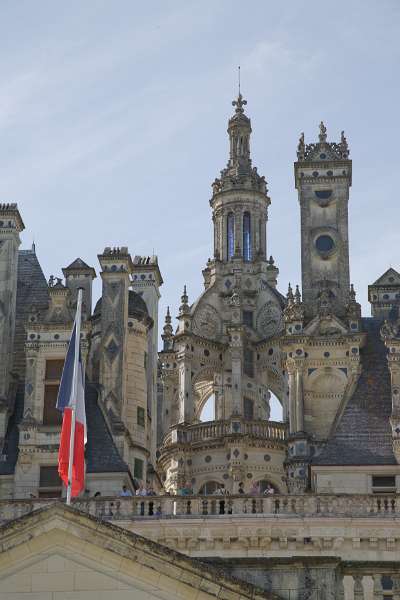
<point x="71" y="397"/>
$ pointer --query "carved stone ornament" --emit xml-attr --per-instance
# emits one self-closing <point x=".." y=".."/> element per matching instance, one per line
<point x="206" y="322"/>
<point x="269" y="320"/>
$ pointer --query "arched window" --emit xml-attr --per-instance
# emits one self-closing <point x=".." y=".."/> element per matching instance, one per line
<point x="209" y="488"/>
<point x="230" y="226"/>
<point x="208" y="410"/>
<point x="246" y="236"/>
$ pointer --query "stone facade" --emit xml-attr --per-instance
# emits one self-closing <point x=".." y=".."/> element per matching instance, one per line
<point x="303" y="508"/>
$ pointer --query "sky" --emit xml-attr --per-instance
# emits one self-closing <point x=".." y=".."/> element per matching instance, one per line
<point x="113" y="120"/>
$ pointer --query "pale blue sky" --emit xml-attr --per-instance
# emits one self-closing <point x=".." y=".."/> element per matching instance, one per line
<point x="113" y="123"/>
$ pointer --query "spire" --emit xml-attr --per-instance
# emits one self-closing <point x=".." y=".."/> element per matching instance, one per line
<point x="167" y="331"/>
<point x="184" y="307"/>
<point x="297" y="295"/>
<point x="289" y="295"/>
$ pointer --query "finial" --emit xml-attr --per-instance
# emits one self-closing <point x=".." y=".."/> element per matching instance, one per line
<point x="289" y="295"/>
<point x="352" y="292"/>
<point x="184" y="307"/>
<point x="168" y="316"/>
<point x="239" y="79"/>
<point x="297" y="295"/>
<point x="239" y="103"/>
<point x="271" y="261"/>
<point x="322" y="132"/>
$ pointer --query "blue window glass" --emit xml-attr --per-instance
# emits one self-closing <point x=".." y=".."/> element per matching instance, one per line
<point x="246" y="236"/>
<point x="231" y="235"/>
<point x="324" y="243"/>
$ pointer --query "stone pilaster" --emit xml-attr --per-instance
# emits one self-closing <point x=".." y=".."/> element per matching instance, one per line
<point x="10" y="227"/>
<point x="147" y="280"/>
<point x="116" y="267"/>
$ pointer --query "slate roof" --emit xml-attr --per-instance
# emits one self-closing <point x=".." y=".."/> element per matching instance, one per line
<point x="363" y="434"/>
<point x="101" y="453"/>
<point x="78" y="263"/>
<point x="137" y="307"/>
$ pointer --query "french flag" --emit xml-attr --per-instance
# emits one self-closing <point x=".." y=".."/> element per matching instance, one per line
<point x="71" y="401"/>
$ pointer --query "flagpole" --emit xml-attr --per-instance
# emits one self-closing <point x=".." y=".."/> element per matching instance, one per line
<point x="73" y="393"/>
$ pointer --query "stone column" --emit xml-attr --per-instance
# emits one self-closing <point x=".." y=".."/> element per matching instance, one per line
<point x="378" y="592"/>
<point x="292" y="400"/>
<point x="10" y="227"/>
<point x="116" y="267"/>
<point x="237" y="380"/>
<point x="358" y="587"/>
<point x="185" y="388"/>
<point x="396" y="587"/>
<point x="299" y="400"/>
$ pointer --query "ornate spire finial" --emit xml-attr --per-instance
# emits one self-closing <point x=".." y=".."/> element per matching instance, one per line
<point x="322" y="132"/>
<point x="289" y="295"/>
<point x="184" y="307"/>
<point x="239" y="79"/>
<point x="297" y="295"/>
<point x="167" y="331"/>
<point x="239" y="103"/>
<point x="168" y="316"/>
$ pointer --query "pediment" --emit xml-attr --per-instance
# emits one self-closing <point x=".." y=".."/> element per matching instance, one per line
<point x="325" y="326"/>
<point x="389" y="278"/>
<point x="60" y="549"/>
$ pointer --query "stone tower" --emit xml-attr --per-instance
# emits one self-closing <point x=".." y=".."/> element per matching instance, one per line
<point x="79" y="275"/>
<point x="146" y="281"/>
<point x="10" y="227"/>
<point x="224" y="351"/>
<point x="323" y="179"/>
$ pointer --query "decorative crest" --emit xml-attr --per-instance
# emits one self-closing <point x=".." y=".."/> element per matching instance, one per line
<point x="239" y="103"/>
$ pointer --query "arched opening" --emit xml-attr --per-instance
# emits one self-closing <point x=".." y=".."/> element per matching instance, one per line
<point x="208" y="410"/>
<point x="266" y="487"/>
<point x="246" y="236"/>
<point x="276" y="410"/>
<point x="209" y="488"/>
<point x="230" y="226"/>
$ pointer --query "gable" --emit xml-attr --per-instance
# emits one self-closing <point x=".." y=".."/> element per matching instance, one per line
<point x="59" y="549"/>
<point x="390" y="277"/>
<point x="63" y="568"/>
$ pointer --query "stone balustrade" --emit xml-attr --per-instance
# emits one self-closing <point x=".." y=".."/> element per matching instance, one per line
<point x="138" y="507"/>
<point x="266" y="430"/>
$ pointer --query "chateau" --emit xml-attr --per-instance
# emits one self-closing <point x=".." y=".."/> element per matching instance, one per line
<point x="243" y="506"/>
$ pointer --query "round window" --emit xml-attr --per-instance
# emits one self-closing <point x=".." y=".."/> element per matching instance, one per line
<point x="324" y="243"/>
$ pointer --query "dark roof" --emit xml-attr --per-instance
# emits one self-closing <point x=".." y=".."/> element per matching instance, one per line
<point x="32" y="292"/>
<point x="363" y="434"/>
<point x="137" y="307"/>
<point x="78" y="263"/>
<point x="102" y="455"/>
